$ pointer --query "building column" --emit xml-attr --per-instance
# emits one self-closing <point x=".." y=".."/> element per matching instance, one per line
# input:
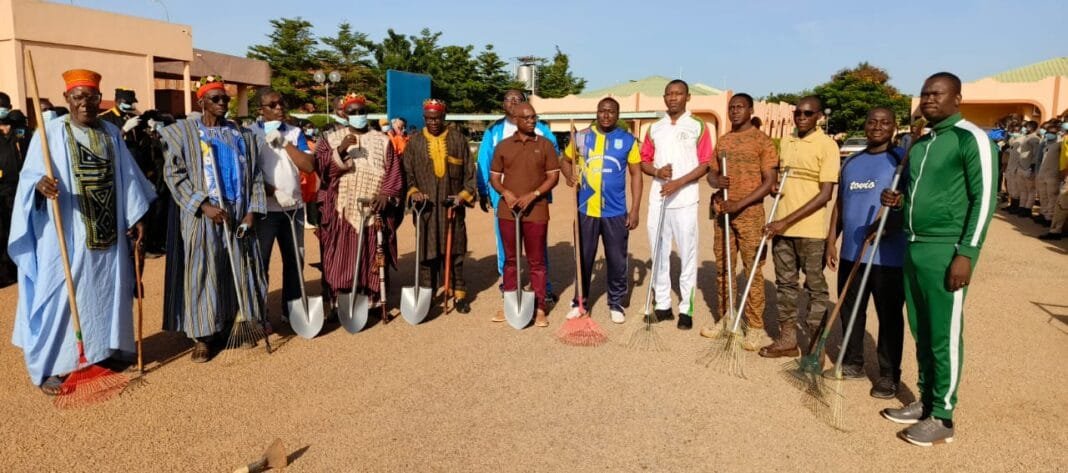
<point x="187" y="92"/>
<point x="148" y="102"/>
<point x="242" y="100"/>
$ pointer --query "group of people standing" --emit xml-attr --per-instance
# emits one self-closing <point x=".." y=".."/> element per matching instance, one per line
<point x="236" y="192"/>
<point x="1034" y="160"/>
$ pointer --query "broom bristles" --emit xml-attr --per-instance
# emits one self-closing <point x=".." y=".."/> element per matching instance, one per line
<point x="581" y="332"/>
<point x="90" y="385"/>
<point x="645" y="338"/>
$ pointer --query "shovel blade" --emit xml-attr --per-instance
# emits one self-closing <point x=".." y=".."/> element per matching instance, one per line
<point x="415" y="303"/>
<point x="519" y="308"/>
<point x="352" y="312"/>
<point x="306" y="324"/>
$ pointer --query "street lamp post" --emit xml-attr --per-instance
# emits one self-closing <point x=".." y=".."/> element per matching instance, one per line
<point x="327" y="79"/>
<point x="827" y="120"/>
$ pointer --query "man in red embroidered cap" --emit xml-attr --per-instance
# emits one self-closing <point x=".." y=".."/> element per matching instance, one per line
<point x="102" y="196"/>
<point x="211" y="169"/>
<point x="355" y="162"/>
<point x="441" y="172"/>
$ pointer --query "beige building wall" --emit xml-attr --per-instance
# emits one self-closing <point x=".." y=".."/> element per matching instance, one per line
<point x="984" y="101"/>
<point x="63" y="37"/>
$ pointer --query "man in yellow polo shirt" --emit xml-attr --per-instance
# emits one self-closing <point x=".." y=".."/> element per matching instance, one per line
<point x="800" y="228"/>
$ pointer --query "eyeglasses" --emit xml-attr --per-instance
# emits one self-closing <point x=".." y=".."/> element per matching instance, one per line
<point x="220" y="98"/>
<point x="807" y="113"/>
<point x="278" y="104"/>
<point x="87" y="98"/>
<point x="531" y="118"/>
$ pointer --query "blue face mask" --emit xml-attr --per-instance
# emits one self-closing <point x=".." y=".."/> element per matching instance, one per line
<point x="4" y="111"/>
<point x="358" y="121"/>
<point x="272" y="125"/>
<point x="48" y="115"/>
<point x="1064" y="126"/>
<point x="1050" y="136"/>
<point x="309" y="132"/>
<point x="126" y="107"/>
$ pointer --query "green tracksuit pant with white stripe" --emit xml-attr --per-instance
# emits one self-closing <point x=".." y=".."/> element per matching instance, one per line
<point x="936" y="319"/>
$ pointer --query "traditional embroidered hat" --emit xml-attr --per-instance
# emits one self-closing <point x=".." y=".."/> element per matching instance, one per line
<point x="353" y="98"/>
<point x="434" y="105"/>
<point x="81" y="77"/>
<point x="209" y="83"/>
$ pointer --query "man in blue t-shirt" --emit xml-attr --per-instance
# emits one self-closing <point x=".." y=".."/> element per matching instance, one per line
<point x="862" y="178"/>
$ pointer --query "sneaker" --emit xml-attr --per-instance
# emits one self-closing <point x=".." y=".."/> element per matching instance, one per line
<point x="685" y="322"/>
<point x="909" y="414"/>
<point x="574" y="313"/>
<point x="664" y="314"/>
<point x="928" y="432"/>
<point x="1050" y="236"/>
<point x="850" y="372"/>
<point x="617" y="316"/>
<point x="884" y="388"/>
<point x="754" y="339"/>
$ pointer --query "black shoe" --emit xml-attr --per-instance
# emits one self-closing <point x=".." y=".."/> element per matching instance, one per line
<point x="665" y="314"/>
<point x="850" y="372"/>
<point x="1041" y="220"/>
<point x="1050" y="236"/>
<point x="550" y="300"/>
<point x="462" y="306"/>
<point x="884" y="388"/>
<point x="685" y="322"/>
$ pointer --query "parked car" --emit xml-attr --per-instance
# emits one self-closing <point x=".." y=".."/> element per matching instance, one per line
<point x="852" y="146"/>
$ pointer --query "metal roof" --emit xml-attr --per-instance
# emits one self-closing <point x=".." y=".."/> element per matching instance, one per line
<point x="1057" y="66"/>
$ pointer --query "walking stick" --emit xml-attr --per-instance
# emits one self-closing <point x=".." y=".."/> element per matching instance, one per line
<point x="380" y="260"/>
<point x="140" y="310"/>
<point x="581" y="330"/>
<point x="88" y="384"/>
<point x="448" y="254"/>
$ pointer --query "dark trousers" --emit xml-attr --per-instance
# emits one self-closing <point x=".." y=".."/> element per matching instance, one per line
<point x="614" y="232"/>
<point x="887" y="285"/>
<point x="275" y="227"/>
<point x="534" y="243"/>
<point x="431" y="270"/>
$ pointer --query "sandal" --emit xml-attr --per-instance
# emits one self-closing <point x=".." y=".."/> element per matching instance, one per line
<point x="499" y="317"/>
<point x="540" y="320"/>
<point x="201" y="352"/>
<point x="52" y="385"/>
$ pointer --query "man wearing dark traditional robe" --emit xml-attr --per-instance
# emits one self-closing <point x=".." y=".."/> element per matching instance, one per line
<point x="354" y="162"/>
<point x="214" y="179"/>
<point x="440" y="172"/>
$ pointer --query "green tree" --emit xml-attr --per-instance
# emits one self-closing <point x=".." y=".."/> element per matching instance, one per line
<point x="493" y="80"/>
<point x="555" y="78"/>
<point x="291" y="52"/>
<point x="350" y="53"/>
<point x="851" y="93"/>
<point x="785" y="97"/>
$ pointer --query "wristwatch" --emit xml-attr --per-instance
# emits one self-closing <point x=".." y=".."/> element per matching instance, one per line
<point x="537" y="193"/>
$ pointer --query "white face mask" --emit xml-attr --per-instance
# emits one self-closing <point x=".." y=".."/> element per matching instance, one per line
<point x="358" y="121"/>
<point x="272" y="125"/>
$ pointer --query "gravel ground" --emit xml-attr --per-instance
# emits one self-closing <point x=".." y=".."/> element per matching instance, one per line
<point x="461" y="393"/>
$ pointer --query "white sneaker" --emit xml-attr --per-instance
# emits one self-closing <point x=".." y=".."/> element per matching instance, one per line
<point x="617" y="316"/>
<point x="575" y="313"/>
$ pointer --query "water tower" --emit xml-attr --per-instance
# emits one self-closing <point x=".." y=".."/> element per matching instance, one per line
<point x="527" y="73"/>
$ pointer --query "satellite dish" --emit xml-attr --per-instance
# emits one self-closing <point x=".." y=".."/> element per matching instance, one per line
<point x="335" y="76"/>
<point x="319" y="77"/>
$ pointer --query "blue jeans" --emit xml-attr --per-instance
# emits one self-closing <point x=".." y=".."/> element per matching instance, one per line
<point x="276" y="226"/>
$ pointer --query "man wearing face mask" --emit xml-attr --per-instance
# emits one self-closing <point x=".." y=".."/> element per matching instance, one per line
<point x="215" y="180"/>
<point x="283" y="154"/>
<point x="101" y="196"/>
<point x="10" y="166"/>
<point x="1060" y="211"/>
<point x="1023" y="154"/>
<point x="124" y="113"/>
<point x="355" y="162"/>
<point x="1047" y="179"/>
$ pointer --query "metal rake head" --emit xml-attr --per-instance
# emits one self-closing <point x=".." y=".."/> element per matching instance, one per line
<point x="645" y="338"/>
<point x="826" y="400"/>
<point x="244" y="336"/>
<point x="726" y="355"/>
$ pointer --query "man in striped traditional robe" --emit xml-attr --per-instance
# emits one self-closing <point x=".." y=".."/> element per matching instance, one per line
<point x="355" y="162"/>
<point x="440" y="171"/>
<point x="213" y="175"/>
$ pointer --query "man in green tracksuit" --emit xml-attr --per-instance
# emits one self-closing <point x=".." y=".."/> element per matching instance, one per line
<point x="947" y="208"/>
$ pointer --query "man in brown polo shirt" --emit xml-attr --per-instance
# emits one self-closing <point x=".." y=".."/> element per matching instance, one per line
<point x="524" y="169"/>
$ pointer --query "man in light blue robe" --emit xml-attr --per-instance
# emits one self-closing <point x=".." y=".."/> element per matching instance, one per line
<point x="102" y="196"/>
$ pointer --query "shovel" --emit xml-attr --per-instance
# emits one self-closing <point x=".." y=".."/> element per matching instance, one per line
<point x="415" y="299"/>
<point x="306" y="314"/>
<point x="352" y="307"/>
<point x="518" y="304"/>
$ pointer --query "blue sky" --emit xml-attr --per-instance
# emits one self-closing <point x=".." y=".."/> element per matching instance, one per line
<point x="756" y="46"/>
